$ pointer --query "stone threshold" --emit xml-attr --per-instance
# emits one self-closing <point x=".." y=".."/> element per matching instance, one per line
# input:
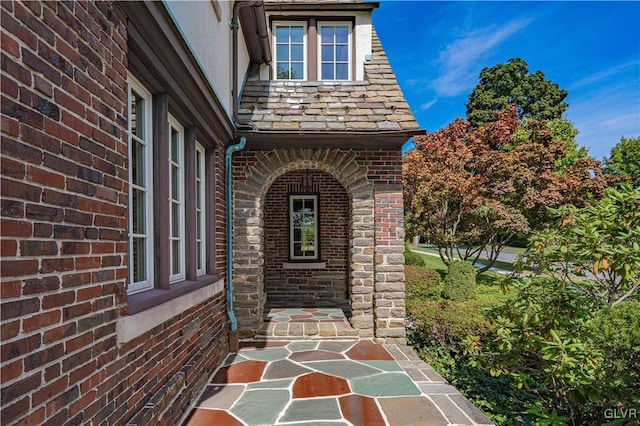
<point x="307" y="331"/>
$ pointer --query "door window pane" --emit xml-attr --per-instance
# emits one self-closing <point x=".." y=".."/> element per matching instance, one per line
<point x="303" y="225"/>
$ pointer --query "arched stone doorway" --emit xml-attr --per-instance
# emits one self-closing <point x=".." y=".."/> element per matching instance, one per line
<point x="324" y="273"/>
<point x="250" y="192"/>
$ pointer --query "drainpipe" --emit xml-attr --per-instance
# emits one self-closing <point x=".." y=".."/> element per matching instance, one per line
<point x="233" y="334"/>
<point x="235" y="26"/>
<point x="234" y="344"/>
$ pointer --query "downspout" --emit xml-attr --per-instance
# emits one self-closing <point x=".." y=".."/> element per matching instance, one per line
<point x="234" y="344"/>
<point x="233" y="335"/>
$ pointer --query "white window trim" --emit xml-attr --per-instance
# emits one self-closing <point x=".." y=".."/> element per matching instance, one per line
<point x="180" y="276"/>
<point x="202" y="211"/>
<point x="305" y="50"/>
<point x="136" y="287"/>
<point x="349" y="48"/>
<point x="316" y="255"/>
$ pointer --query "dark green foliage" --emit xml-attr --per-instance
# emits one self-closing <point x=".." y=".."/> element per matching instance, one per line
<point x="411" y="258"/>
<point x="511" y="83"/>
<point x="441" y="333"/>
<point x="422" y="284"/>
<point x="554" y="354"/>
<point x="460" y="282"/>
<point x="595" y="248"/>
<point x="542" y="344"/>
<point x="616" y="332"/>
<point x="452" y="324"/>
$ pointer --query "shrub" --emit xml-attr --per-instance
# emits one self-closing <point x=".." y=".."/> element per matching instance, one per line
<point x="451" y="323"/>
<point x="411" y="258"/>
<point x="616" y="332"/>
<point x="541" y="342"/>
<point x="422" y="284"/>
<point x="460" y="282"/>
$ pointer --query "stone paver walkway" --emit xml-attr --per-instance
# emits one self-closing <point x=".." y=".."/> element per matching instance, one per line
<point x="328" y="383"/>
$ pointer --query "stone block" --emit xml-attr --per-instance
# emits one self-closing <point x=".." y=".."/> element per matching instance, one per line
<point x="390" y="287"/>
<point x="363" y="321"/>
<point x="390" y="332"/>
<point x="398" y="312"/>
<point x="383" y="312"/>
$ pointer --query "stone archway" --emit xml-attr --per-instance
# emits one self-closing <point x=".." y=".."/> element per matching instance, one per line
<point x="248" y="247"/>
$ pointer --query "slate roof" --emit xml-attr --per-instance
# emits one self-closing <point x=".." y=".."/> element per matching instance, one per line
<point x="373" y="105"/>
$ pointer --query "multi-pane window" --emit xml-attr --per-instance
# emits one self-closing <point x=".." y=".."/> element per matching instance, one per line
<point x="290" y="51"/>
<point x="303" y="227"/>
<point x="140" y="188"/>
<point x="168" y="175"/>
<point x="201" y="244"/>
<point x="176" y="201"/>
<point x="334" y="51"/>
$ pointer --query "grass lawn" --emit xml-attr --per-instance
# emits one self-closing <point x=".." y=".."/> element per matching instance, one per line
<point x="497" y="264"/>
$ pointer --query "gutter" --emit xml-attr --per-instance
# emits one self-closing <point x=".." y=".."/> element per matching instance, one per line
<point x="235" y="26"/>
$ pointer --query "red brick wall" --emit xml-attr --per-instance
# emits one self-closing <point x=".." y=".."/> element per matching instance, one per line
<point x="385" y="166"/>
<point x="64" y="231"/>
<point x="329" y="283"/>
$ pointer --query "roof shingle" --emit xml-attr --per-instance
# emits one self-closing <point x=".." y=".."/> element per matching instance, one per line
<point x="373" y="105"/>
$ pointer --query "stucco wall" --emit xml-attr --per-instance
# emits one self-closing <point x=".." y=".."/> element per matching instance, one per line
<point x="210" y="40"/>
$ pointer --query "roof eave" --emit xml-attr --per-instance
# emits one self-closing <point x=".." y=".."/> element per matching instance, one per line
<point x="274" y="139"/>
<point x="305" y="6"/>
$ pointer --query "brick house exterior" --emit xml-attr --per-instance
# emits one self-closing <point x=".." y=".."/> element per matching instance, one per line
<point x="345" y="136"/>
<point x="116" y="117"/>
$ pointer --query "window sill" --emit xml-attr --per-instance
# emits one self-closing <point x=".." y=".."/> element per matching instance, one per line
<point x="151" y="308"/>
<point x="304" y="265"/>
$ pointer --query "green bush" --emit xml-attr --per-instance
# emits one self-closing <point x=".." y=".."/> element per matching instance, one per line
<point x="616" y="332"/>
<point x="541" y="343"/>
<point x="460" y="282"/>
<point x="452" y="323"/>
<point x="422" y="284"/>
<point x="411" y="258"/>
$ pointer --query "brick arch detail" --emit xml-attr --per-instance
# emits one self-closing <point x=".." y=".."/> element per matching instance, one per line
<point x="248" y="224"/>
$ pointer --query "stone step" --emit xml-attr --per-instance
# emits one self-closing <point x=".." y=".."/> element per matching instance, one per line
<point x="312" y="330"/>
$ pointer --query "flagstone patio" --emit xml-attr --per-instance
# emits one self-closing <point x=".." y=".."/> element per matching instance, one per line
<point x="329" y="382"/>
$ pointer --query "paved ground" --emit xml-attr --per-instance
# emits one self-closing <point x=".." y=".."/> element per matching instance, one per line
<point x="329" y="382"/>
<point x="307" y="319"/>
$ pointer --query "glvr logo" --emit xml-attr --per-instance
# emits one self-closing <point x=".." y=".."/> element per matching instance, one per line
<point x="620" y="413"/>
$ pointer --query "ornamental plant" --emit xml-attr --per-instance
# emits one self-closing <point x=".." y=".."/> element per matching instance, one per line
<point x="595" y="248"/>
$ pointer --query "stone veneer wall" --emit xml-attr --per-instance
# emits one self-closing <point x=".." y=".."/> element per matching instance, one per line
<point x="329" y="282"/>
<point x="371" y="223"/>
<point x="64" y="235"/>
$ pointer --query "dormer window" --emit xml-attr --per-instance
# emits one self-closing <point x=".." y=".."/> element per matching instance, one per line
<point x="335" y="51"/>
<point x="290" y="42"/>
<point x="313" y="50"/>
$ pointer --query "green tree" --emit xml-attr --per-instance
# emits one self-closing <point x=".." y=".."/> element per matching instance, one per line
<point x="624" y="159"/>
<point x="534" y="96"/>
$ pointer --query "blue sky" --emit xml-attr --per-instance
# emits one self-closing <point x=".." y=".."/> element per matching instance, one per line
<point x="591" y="49"/>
